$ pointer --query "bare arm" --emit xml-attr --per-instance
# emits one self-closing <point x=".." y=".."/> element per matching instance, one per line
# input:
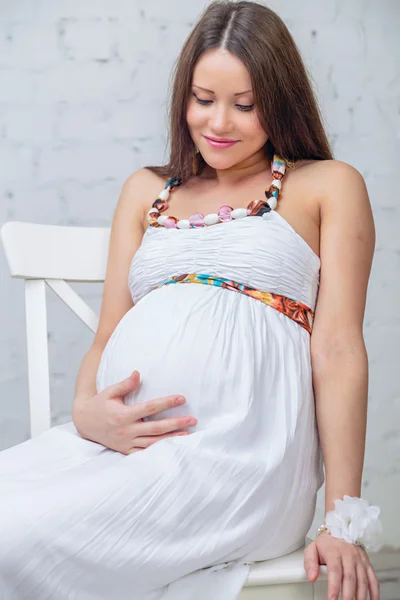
<point x="339" y="358"/>
<point x="126" y="235"/>
<point x="85" y="384"/>
<point x="103" y="417"/>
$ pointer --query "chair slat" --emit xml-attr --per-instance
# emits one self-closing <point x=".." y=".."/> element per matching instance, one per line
<point x="284" y="569"/>
<point x="75" y="303"/>
<point x="56" y="252"/>
<point x="38" y="356"/>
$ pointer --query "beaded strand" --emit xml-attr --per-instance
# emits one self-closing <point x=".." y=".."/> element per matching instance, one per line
<point x="225" y="213"/>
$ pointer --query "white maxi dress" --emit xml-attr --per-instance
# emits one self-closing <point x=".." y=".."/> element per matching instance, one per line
<point x="184" y="518"/>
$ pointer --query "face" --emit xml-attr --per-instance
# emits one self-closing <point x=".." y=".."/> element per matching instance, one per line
<point x="221" y="105"/>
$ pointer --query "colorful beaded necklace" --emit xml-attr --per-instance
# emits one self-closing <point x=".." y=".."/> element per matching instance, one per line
<point x="225" y="213"/>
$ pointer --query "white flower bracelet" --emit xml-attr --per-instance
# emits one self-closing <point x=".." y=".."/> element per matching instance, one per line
<point x="354" y="521"/>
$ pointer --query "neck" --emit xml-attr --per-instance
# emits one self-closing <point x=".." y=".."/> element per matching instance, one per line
<point x="238" y="173"/>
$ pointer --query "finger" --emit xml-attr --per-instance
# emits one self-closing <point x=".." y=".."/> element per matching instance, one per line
<point x="349" y="579"/>
<point x="362" y="583"/>
<point x="374" y="585"/>
<point x="145" y="442"/>
<point x="125" y="386"/>
<point x="133" y="450"/>
<point x="152" y="407"/>
<point x="335" y="573"/>
<point x="163" y="426"/>
<point x="311" y="561"/>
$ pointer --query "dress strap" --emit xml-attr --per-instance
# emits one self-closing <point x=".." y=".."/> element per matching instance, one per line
<point x="174" y="182"/>
<point x="225" y="213"/>
<point x="297" y="311"/>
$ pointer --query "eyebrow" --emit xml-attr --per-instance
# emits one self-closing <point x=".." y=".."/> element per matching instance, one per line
<point x="211" y="92"/>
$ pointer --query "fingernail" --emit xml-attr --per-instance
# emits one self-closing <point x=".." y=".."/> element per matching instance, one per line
<point x="179" y="400"/>
<point x="311" y="572"/>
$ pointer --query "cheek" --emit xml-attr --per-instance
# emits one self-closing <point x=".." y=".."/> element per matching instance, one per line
<point x="194" y="116"/>
<point x="253" y="129"/>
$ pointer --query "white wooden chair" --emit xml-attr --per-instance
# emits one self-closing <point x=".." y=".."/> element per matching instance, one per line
<point x="53" y="255"/>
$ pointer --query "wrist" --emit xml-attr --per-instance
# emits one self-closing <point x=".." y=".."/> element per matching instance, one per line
<point x="81" y="398"/>
<point x="354" y="521"/>
<point x="78" y="406"/>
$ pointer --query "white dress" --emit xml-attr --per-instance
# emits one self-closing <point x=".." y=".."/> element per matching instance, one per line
<point x="184" y="518"/>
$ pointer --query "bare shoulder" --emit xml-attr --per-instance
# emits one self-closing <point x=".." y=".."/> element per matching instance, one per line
<point x="330" y="177"/>
<point x="344" y="204"/>
<point x="144" y="177"/>
<point x="127" y="232"/>
<point x="142" y="185"/>
<point x="138" y="193"/>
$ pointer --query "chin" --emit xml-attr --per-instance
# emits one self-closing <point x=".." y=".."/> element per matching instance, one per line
<point x="220" y="163"/>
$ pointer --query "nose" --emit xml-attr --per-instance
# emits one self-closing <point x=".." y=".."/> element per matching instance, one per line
<point x="220" y="121"/>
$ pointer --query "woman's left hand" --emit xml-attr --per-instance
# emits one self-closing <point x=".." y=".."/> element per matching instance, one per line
<point x="348" y="566"/>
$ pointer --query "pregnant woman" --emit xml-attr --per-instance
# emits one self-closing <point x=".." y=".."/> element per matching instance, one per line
<point x="196" y="442"/>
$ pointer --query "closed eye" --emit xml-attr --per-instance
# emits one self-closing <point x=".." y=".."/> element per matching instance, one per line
<point x="243" y="107"/>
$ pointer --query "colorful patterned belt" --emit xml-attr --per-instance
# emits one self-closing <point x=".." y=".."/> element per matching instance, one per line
<point x="302" y="314"/>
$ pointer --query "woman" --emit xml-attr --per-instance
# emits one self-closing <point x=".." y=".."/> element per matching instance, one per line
<point x="149" y="496"/>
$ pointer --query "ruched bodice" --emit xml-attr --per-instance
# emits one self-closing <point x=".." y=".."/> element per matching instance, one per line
<point x="264" y="253"/>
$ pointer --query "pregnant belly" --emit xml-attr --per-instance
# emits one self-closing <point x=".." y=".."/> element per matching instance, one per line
<point x="199" y="341"/>
<point x="243" y="368"/>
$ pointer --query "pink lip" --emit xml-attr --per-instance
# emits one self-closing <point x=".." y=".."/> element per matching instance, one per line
<point x="218" y="139"/>
<point x="220" y="143"/>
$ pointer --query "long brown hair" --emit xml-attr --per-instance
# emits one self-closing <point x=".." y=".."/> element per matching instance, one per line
<point x="283" y="94"/>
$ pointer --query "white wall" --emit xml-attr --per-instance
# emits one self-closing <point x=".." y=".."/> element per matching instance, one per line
<point x="83" y="87"/>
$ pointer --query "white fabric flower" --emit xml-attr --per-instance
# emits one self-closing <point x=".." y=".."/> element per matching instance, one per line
<point x="355" y="521"/>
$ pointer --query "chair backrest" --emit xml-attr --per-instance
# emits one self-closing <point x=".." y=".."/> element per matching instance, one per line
<point x="52" y="255"/>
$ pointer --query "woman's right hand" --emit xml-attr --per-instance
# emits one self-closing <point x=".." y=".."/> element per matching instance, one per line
<point x="105" y="418"/>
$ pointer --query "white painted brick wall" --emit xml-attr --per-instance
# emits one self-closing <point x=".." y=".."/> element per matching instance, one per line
<point x="83" y="91"/>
